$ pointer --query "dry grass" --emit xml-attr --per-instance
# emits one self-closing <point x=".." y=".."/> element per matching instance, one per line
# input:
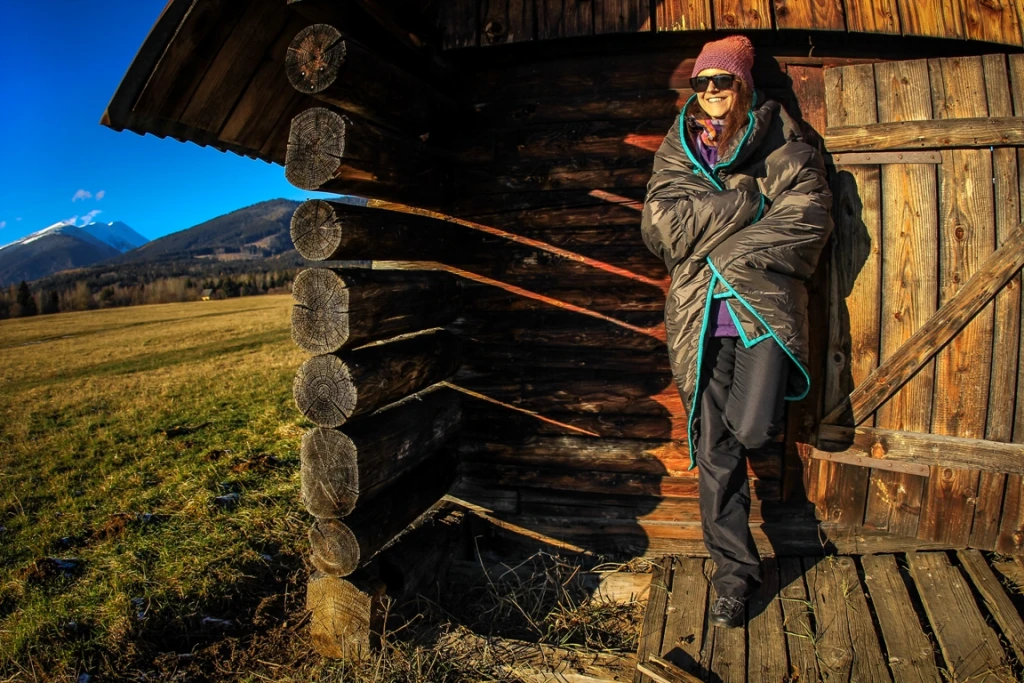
<point x="119" y="429"/>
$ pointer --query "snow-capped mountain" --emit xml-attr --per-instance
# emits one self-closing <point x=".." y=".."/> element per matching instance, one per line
<point x="116" y="234"/>
<point x="62" y="246"/>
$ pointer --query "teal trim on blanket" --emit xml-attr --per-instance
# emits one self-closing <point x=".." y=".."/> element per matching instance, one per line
<point x="698" y="166"/>
<point x="750" y="129"/>
<point x="696" y="388"/>
<point x="747" y="342"/>
<point x="723" y="295"/>
<point x="768" y="327"/>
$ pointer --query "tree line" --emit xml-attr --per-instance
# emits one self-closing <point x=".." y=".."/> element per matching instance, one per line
<point x="59" y="295"/>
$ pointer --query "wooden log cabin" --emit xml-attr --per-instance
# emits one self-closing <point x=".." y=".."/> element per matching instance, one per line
<point x="490" y="159"/>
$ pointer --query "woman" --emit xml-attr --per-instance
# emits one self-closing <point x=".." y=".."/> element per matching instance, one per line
<point x="738" y="209"/>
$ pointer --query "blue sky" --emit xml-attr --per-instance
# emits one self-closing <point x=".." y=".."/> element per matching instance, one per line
<point x="60" y="63"/>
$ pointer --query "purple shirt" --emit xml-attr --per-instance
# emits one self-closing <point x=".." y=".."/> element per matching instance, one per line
<point x="721" y="322"/>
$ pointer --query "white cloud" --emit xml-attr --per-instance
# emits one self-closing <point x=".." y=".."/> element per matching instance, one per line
<point x="82" y="194"/>
<point x="70" y="221"/>
<point x="101" y="194"/>
<point x="88" y="218"/>
<point x="3" y="224"/>
<point x="18" y="219"/>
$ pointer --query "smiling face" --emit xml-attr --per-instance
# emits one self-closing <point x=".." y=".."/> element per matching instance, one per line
<point x="716" y="103"/>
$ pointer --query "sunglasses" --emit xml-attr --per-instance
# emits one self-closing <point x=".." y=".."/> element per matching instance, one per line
<point x="721" y="81"/>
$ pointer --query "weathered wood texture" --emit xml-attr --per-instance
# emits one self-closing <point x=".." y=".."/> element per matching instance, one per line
<point x="723" y="654"/>
<point x="468" y="23"/>
<point x="340" y="547"/>
<point x="346" y="618"/>
<point x="940" y="19"/>
<point x="683" y="15"/>
<point x="734" y="14"/>
<point x="821" y="15"/>
<point x="845" y="638"/>
<point x="684" y="615"/>
<point x="854" y="297"/>
<point x="969" y="646"/>
<point x="967" y="238"/>
<point x="654" y="621"/>
<point x="341" y="470"/>
<point x="801" y="417"/>
<point x="939" y="329"/>
<point x="932" y="450"/>
<point x="945" y="232"/>
<point x="766" y="630"/>
<point x="347" y="154"/>
<point x="323" y="62"/>
<point x="911" y="655"/>
<point x="964" y="132"/>
<point x="348" y="615"/>
<point x="862" y="619"/>
<point x="906" y="240"/>
<point x="1006" y="323"/>
<point x="872" y="16"/>
<point x="211" y="73"/>
<point x="395" y="29"/>
<point x="506" y="21"/>
<point x="999" y="605"/>
<point x="330" y="390"/>
<point x="797" y="610"/>
<point x="345" y="309"/>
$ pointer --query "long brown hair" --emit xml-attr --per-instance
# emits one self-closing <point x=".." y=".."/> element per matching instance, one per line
<point x="735" y="118"/>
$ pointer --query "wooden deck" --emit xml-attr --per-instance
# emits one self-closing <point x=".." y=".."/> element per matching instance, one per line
<point x="921" y="616"/>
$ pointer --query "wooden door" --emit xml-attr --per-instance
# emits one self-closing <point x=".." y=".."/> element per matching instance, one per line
<point x="923" y="387"/>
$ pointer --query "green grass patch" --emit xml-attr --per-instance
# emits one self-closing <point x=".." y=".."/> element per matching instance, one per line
<point x="120" y="431"/>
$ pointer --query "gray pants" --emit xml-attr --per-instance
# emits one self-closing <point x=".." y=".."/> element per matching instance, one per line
<point x="741" y="406"/>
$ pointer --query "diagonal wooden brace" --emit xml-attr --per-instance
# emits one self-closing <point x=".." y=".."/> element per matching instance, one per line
<point x="938" y="331"/>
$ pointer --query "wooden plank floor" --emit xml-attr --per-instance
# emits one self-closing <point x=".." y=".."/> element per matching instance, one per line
<point x="920" y="616"/>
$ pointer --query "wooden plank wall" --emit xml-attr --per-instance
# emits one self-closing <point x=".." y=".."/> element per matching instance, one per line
<point x="563" y="156"/>
<point x="937" y="224"/>
<point x="222" y="78"/>
<point x="489" y="22"/>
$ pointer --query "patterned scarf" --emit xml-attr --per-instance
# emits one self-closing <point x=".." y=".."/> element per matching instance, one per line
<point x="708" y="129"/>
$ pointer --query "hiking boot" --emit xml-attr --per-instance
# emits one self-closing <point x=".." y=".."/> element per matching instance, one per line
<point x="727" y="612"/>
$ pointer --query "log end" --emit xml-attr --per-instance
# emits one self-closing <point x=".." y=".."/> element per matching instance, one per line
<point x="316" y="230"/>
<point x="314" y="58"/>
<point x="330" y="474"/>
<point x="320" y="320"/>
<point x="335" y="549"/>
<point x="344" y="619"/>
<point x="316" y="148"/>
<point x="324" y="391"/>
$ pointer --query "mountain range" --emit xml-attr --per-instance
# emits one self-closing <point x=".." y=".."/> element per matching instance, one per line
<point x="255" y="232"/>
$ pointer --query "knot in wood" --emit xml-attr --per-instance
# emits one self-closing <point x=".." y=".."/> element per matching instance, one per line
<point x="878" y="450"/>
<point x="494" y="30"/>
<point x="314" y="57"/>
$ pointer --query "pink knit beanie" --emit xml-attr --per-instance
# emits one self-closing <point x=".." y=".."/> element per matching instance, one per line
<point x="734" y="54"/>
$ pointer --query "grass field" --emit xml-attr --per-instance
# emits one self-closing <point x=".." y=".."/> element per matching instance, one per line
<point x="151" y="525"/>
<point x="120" y="429"/>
